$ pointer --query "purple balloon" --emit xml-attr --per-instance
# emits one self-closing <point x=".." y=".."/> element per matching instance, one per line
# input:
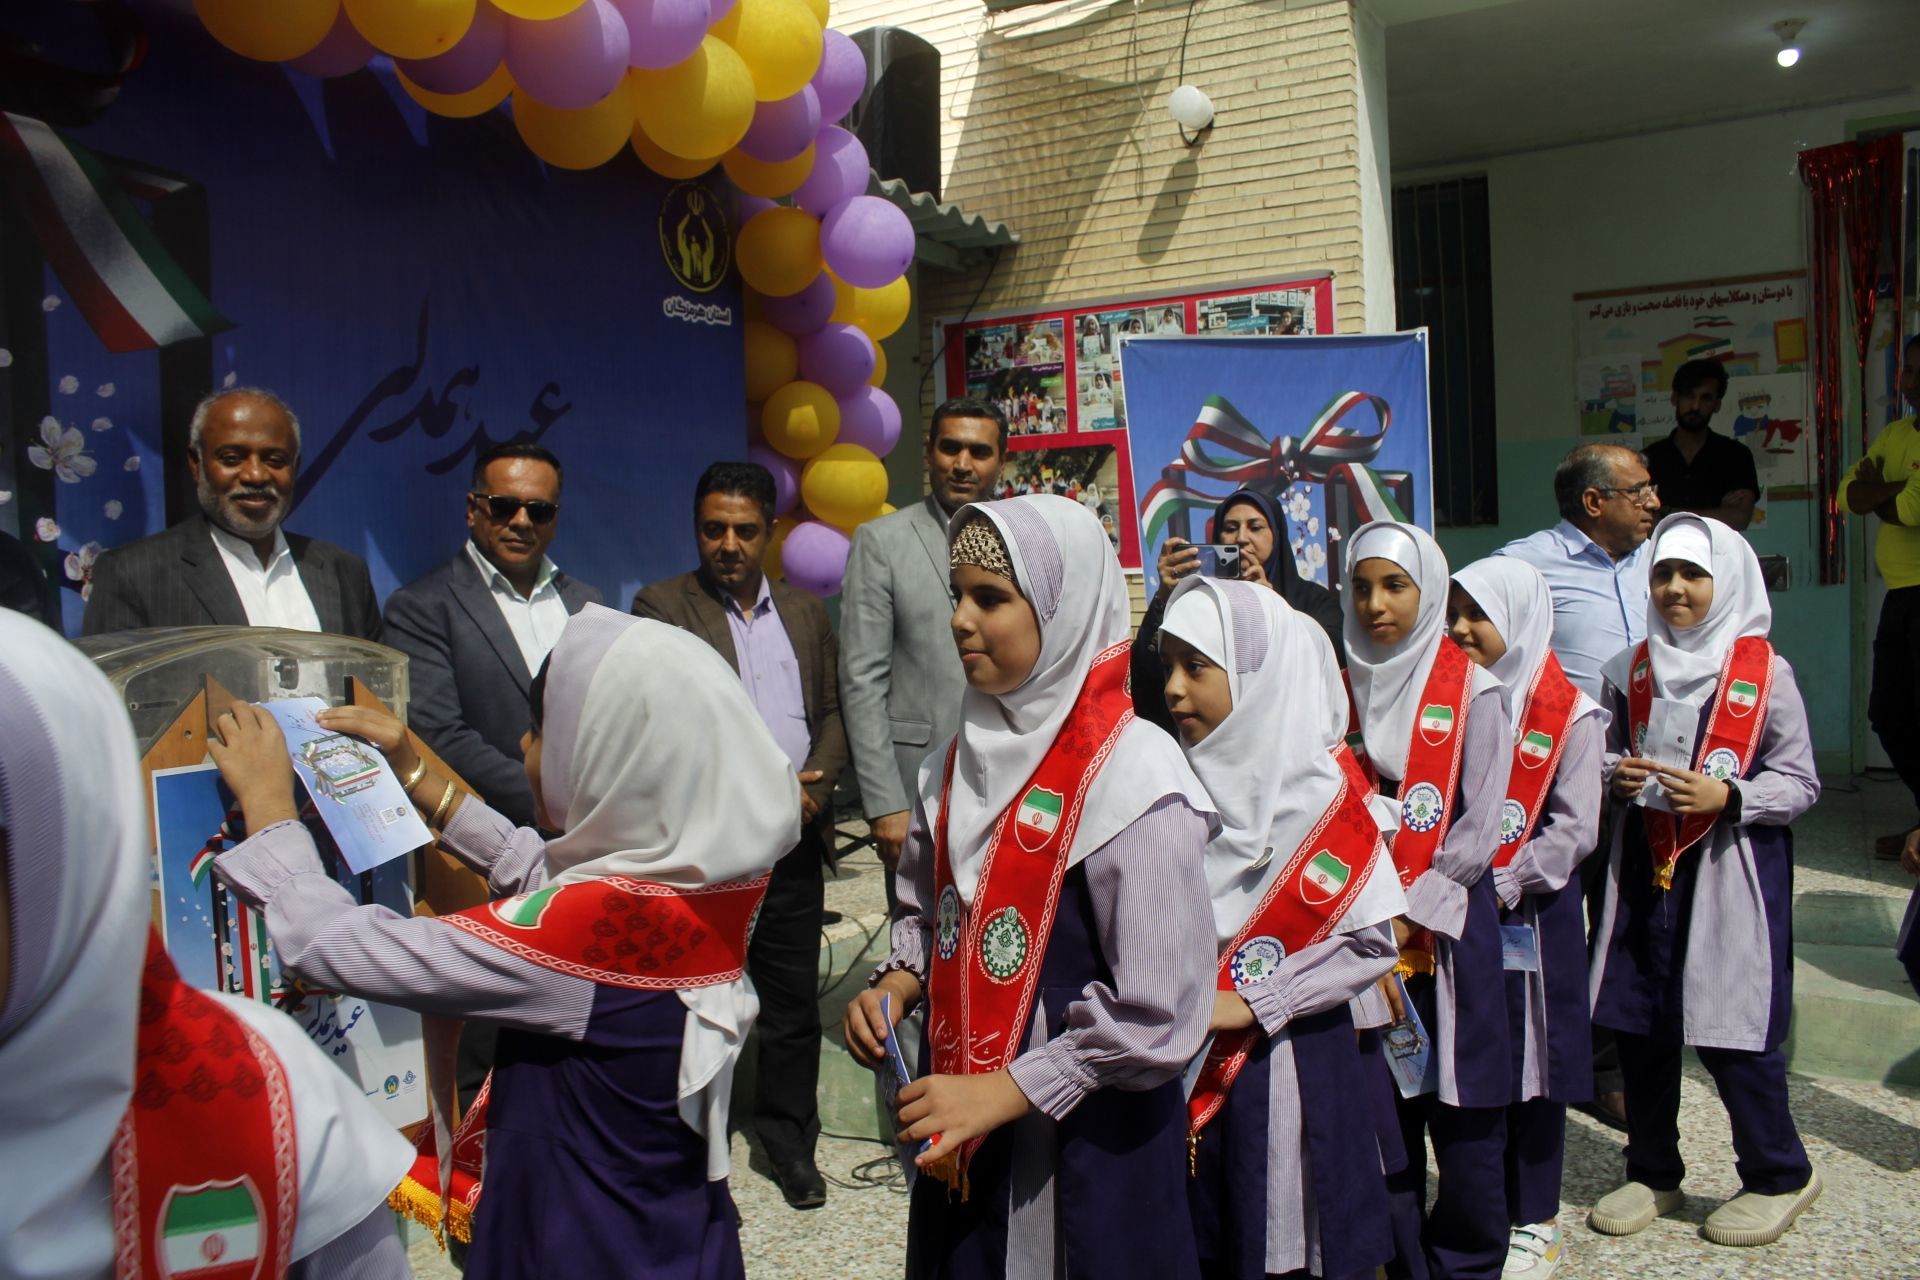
<point x="571" y="61"/>
<point x="802" y="313"/>
<point x="842" y="76"/>
<point x="815" y="557"/>
<point x="840" y="171"/>
<point x="786" y="476"/>
<point x="343" y="52"/>
<point x="782" y="129"/>
<point x="473" y="58"/>
<point x="870" y="419"/>
<point x="867" y="241"/>
<point x="839" y="358"/>
<point x="664" y="32"/>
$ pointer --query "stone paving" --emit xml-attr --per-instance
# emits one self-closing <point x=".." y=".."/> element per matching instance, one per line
<point x="1864" y="1137"/>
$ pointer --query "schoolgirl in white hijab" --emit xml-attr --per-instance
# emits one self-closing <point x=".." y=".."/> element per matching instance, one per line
<point x="1707" y="959"/>
<point x="1395" y="605"/>
<point x="1271" y="769"/>
<point x="74" y="875"/>
<point x="1078" y="1121"/>
<point x="1501" y="613"/>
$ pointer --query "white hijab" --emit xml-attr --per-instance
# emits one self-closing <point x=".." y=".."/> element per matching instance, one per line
<point x="1269" y="765"/>
<point x="1065" y="567"/>
<point x="78" y="869"/>
<point x="1516" y="600"/>
<point x="656" y="765"/>
<point x="1388" y="682"/>
<point x="1686" y="664"/>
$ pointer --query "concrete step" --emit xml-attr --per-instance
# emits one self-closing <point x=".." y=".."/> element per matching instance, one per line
<point x="1847" y="919"/>
<point x="1854" y="1015"/>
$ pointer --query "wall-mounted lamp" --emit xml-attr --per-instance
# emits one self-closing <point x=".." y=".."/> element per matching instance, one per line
<point x="1788" y="29"/>
<point x="1192" y="110"/>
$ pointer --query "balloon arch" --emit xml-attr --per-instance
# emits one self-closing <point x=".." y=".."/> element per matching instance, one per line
<point x="754" y="86"/>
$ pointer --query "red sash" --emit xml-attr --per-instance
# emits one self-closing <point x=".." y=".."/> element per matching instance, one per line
<point x="623" y="932"/>
<point x="1302" y="905"/>
<point x="1545" y="722"/>
<point x="1433" y="779"/>
<point x="986" y="958"/>
<point x="206" y="1166"/>
<point x="1725" y="751"/>
<point x="418" y="1195"/>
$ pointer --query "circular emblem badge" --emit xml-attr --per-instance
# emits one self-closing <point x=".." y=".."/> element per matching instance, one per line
<point x="695" y="240"/>
<point x="1256" y="959"/>
<point x="1721" y="764"/>
<point x="947" y="933"/>
<point x="1003" y="944"/>
<point x="1513" y="820"/>
<point x="1421" y="808"/>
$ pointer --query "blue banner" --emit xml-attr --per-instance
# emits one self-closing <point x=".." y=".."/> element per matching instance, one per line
<point x="1336" y="429"/>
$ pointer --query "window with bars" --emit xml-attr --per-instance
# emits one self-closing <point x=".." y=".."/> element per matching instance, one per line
<point x="1443" y="279"/>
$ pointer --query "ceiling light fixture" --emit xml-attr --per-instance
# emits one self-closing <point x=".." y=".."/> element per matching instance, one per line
<point x="1788" y="29"/>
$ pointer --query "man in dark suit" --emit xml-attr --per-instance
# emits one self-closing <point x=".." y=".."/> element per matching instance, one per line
<point x="781" y="642"/>
<point x="233" y="565"/>
<point x="478" y="627"/>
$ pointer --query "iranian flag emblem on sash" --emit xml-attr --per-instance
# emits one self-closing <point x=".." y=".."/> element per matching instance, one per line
<point x="1741" y="697"/>
<point x="525" y="910"/>
<point x="1324" y="876"/>
<point x="1436" y="722"/>
<point x="1038" y="815"/>
<point x="1536" y="749"/>
<point x="211" y="1232"/>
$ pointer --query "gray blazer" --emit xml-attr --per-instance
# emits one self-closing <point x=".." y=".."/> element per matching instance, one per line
<point x="900" y="679"/>
<point x="176" y="579"/>
<point x="467" y="683"/>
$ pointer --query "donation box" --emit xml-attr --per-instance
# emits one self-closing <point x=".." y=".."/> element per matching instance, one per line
<point x="175" y="681"/>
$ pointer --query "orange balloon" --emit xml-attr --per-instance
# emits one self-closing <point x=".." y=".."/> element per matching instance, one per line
<point x="759" y="178"/>
<point x="770" y="558"/>
<point x="800" y="419"/>
<point x="779" y="251"/>
<point x="664" y="162"/>
<point x="879" y="378"/>
<point x="268" y="32"/>
<point x="583" y="139"/>
<point x="461" y="106"/>
<point x="411" y="28"/>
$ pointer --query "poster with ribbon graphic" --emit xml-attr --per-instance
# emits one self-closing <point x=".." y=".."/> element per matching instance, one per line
<point x="1335" y="429"/>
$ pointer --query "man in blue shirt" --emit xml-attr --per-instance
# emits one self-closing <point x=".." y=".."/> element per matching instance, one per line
<point x="1595" y="562"/>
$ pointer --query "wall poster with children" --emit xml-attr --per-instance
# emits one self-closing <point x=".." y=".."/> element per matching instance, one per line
<point x="1055" y="372"/>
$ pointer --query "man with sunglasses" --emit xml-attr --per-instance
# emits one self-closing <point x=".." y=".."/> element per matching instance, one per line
<point x="478" y="627"/>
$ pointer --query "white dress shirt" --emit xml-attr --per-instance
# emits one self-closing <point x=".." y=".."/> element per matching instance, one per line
<point x="1599" y="603"/>
<point x="274" y="596"/>
<point x="536" y="620"/>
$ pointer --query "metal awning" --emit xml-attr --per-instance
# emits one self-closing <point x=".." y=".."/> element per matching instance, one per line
<point x="945" y="235"/>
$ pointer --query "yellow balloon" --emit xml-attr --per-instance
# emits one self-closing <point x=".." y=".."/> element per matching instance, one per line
<point x="887" y="508"/>
<point x="271" y="32"/>
<point x="583" y="139"/>
<point x="780" y="40"/>
<point x="800" y="419"/>
<point x="773" y="359"/>
<point x="462" y="106"/>
<point x="819" y="9"/>
<point x="663" y="162"/>
<point x="844" y="485"/>
<point x="699" y="107"/>
<point x="411" y="28"/>
<point x="879" y="378"/>
<point x="779" y="251"/>
<point x="758" y="178"/>
<point x="878" y="312"/>
<point x="538" y="10"/>
<point x="770" y="558"/>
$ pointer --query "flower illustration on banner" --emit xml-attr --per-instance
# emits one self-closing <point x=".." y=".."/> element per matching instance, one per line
<point x="62" y="452"/>
<point x="104" y="390"/>
<point x="50" y="304"/>
<point x="45" y="530"/>
<point x="6" y="358"/>
<point x="103" y="424"/>
<point x="113" y="508"/>
<point x="6" y="496"/>
<point x="79" y="567"/>
<point x="230" y="379"/>
<point x="1299" y="504"/>
<point x="132" y="463"/>
<point x="69" y="385"/>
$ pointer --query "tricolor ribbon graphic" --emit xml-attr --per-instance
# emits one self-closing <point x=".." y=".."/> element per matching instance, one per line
<point x="1225" y="447"/>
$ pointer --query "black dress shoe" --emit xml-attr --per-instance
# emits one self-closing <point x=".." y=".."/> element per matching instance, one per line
<point x="1609" y="1109"/>
<point x="801" y="1183"/>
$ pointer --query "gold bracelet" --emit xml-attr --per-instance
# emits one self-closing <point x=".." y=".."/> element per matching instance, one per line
<point x="408" y="783"/>
<point x="438" y="820"/>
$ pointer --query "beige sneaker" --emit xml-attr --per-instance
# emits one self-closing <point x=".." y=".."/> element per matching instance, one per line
<point x="1749" y="1219"/>
<point x="1633" y="1207"/>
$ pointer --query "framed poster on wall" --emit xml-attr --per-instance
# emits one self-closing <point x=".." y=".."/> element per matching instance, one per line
<point x="1055" y="373"/>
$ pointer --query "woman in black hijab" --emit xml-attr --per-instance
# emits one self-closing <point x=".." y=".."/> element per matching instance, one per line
<point x="1251" y="521"/>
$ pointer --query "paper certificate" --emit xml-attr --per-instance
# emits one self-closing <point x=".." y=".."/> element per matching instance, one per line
<point x="1670" y="730"/>
<point x="353" y="788"/>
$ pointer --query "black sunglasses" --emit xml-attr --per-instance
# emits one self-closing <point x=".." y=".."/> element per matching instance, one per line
<point x="503" y="508"/>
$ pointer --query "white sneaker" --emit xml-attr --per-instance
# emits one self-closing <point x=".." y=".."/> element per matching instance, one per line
<point x="1533" y="1251"/>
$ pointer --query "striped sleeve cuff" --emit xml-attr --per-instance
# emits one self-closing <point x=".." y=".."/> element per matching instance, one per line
<point x="1052" y="1081"/>
<point x="1437" y="903"/>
